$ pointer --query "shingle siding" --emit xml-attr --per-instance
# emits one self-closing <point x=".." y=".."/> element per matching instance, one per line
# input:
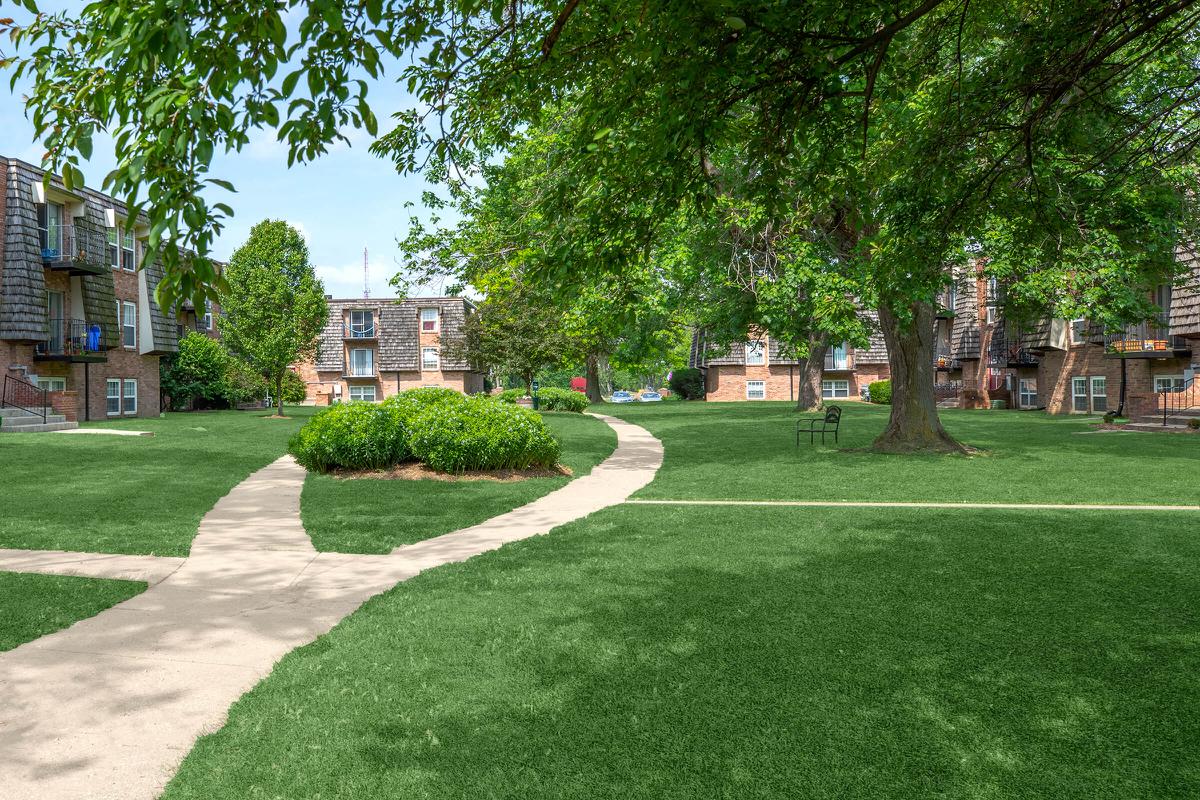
<point x="23" y="295"/>
<point x="166" y="336"/>
<point x="964" y="333"/>
<point x="398" y="328"/>
<point x="1185" y="299"/>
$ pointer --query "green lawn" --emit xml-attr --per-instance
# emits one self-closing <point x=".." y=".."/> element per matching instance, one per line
<point x="747" y="451"/>
<point x="35" y="605"/>
<point x="137" y="495"/>
<point x="706" y="652"/>
<point x="375" y="516"/>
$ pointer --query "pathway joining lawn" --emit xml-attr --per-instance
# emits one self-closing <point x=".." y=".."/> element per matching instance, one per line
<point x="35" y="605"/>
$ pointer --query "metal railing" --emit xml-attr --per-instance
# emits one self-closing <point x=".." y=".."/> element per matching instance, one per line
<point x="843" y="364"/>
<point x="1179" y="398"/>
<point x="1010" y="352"/>
<point x="25" y="396"/>
<point x="360" y="330"/>
<point x="72" y="337"/>
<point x="943" y="361"/>
<point x="1146" y="337"/>
<point x="947" y="391"/>
<point x="71" y="243"/>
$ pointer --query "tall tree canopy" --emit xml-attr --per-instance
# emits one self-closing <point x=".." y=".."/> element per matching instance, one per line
<point x="892" y="134"/>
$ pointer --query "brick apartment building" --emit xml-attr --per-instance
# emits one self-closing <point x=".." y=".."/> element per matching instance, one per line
<point x="77" y="316"/>
<point x="757" y="369"/>
<point x="1063" y="366"/>
<point x="371" y="349"/>
<point x="204" y="320"/>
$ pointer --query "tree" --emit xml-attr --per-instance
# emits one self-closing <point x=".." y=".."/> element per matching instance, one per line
<point x="893" y="132"/>
<point x="515" y="331"/>
<point x="195" y="374"/>
<point x="275" y="306"/>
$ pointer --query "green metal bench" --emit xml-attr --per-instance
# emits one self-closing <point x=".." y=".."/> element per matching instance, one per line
<point x="822" y="425"/>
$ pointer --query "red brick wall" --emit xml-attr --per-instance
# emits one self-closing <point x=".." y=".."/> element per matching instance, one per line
<point x="65" y="403"/>
<point x="727" y="383"/>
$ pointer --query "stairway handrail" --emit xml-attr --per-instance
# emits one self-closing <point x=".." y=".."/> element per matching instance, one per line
<point x="9" y="396"/>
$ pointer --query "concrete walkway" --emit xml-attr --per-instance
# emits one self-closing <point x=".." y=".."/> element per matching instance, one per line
<point x="151" y="569"/>
<point x="108" y="707"/>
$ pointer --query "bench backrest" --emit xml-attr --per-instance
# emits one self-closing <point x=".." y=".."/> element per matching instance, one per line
<point x="833" y="414"/>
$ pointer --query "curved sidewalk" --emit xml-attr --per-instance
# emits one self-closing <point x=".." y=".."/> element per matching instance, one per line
<point x="108" y="707"/>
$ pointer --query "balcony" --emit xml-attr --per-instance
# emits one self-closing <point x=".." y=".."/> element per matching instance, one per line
<point x="839" y="361"/>
<point x="1146" y="340"/>
<point x="73" y="340"/>
<point x="361" y="374"/>
<point x="73" y="250"/>
<point x="1007" y="352"/>
<point x="944" y="363"/>
<point x="360" y="330"/>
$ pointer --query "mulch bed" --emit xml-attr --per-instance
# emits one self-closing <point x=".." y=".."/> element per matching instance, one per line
<point x="418" y="472"/>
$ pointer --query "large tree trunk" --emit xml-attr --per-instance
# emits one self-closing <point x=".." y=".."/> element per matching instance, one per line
<point x="914" y="426"/>
<point x="592" y="389"/>
<point x="810" y="372"/>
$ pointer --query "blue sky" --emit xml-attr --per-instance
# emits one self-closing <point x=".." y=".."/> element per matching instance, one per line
<point x="343" y="202"/>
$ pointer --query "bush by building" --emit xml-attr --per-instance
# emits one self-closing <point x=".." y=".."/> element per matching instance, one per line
<point x="881" y="392"/>
<point x="687" y="383"/>
<point x="555" y="399"/>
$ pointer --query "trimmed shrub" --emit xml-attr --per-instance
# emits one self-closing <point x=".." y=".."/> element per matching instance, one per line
<point x="350" y="436"/>
<point x="509" y="395"/>
<point x="688" y="383"/>
<point x="555" y="399"/>
<point x="413" y="401"/>
<point x="881" y="392"/>
<point x="195" y="376"/>
<point x="294" y="389"/>
<point x="479" y="433"/>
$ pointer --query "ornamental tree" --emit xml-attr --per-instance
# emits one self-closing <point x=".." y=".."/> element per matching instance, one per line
<point x="275" y="305"/>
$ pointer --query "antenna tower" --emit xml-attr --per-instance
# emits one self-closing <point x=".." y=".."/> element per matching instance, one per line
<point x="366" y="276"/>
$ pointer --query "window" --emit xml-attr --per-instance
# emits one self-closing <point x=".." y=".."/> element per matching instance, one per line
<point x="755" y="355"/>
<point x="1079" y="331"/>
<point x="1079" y="395"/>
<point x="1027" y="393"/>
<point x="130" y="404"/>
<point x="429" y="358"/>
<point x="50" y="221"/>
<point x="362" y="325"/>
<point x="834" y="389"/>
<point x="207" y="316"/>
<point x="1168" y="383"/>
<point x="1099" y="394"/>
<point x="756" y="390"/>
<point x="429" y="320"/>
<point x="837" y="358"/>
<point x="362" y="394"/>
<point x="362" y="362"/>
<point x="52" y="384"/>
<point x="114" y="249"/>
<point x="127" y="252"/>
<point x="129" y="325"/>
<point x="113" y="396"/>
<point x="952" y="296"/>
<point x="1162" y="298"/>
<point x="993" y="297"/>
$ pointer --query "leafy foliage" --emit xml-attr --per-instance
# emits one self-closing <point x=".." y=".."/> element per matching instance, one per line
<point x="243" y="384"/>
<point x="509" y="395"/>
<point x="275" y="306"/>
<point x="881" y="392"/>
<point x="294" y="389"/>
<point x="687" y="383"/>
<point x="551" y="398"/>
<point x="195" y="375"/>
<point x="350" y="436"/>
<point x="482" y="434"/>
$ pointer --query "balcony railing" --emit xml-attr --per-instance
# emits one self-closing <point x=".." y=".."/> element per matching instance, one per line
<point x="1146" y="339"/>
<point x="360" y="330"/>
<point x="76" y="250"/>
<point x="73" y="340"/>
<point x="1007" y="352"/>
<point x="840" y="363"/>
<point x="944" y="362"/>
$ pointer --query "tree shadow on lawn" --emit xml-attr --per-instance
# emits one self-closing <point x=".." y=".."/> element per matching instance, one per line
<point x="913" y="656"/>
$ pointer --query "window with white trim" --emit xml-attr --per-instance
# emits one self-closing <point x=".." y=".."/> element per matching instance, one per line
<point x="756" y="355"/>
<point x="1169" y="383"/>
<point x="208" y="317"/>
<point x="362" y="324"/>
<point x="128" y="325"/>
<point x="834" y="389"/>
<point x="114" y="247"/>
<point x="837" y="357"/>
<point x="1078" y="331"/>
<point x="362" y="394"/>
<point x="52" y="384"/>
<point x="112" y="396"/>
<point x="429" y="358"/>
<point x="756" y="390"/>
<point x="1027" y="393"/>
<point x="362" y="362"/>
<point x="129" y="404"/>
<point x="1099" y="394"/>
<point x="429" y="320"/>
<point x="128" y="257"/>
<point x="50" y="225"/>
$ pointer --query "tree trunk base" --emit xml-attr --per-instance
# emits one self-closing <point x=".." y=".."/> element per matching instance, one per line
<point x="928" y="441"/>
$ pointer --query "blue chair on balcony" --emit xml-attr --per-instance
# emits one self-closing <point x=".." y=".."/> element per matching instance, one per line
<point x="93" y="338"/>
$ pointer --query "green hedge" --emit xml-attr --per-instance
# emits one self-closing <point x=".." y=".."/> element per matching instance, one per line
<point x="294" y="389"/>
<point x="509" y="395"/>
<point x="439" y="427"/>
<point x="881" y="392"/>
<point x="555" y="399"/>
<point x="480" y="433"/>
<point x="687" y="383"/>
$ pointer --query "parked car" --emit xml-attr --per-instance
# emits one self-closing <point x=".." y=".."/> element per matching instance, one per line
<point x="650" y="397"/>
<point x="622" y="396"/>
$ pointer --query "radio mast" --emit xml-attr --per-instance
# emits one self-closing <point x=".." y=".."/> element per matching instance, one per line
<point x="366" y="277"/>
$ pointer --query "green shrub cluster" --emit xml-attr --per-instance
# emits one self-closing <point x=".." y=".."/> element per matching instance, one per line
<point x="480" y="433"/>
<point x="202" y="374"/>
<point x="881" y="392"/>
<point x="439" y="427"/>
<point x="555" y="399"/>
<point x="294" y="389"/>
<point x="509" y="395"/>
<point x="687" y="383"/>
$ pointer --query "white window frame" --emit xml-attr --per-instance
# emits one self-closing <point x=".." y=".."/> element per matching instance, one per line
<point x="208" y="317"/>
<point x="436" y="319"/>
<point x="55" y="244"/>
<point x="362" y="390"/>
<point x="1077" y="334"/>
<point x="1027" y="396"/>
<point x="428" y="364"/>
<point x="1172" y="383"/>
<point x="128" y="251"/>
<point x="1102" y="407"/>
<point x="756" y="390"/>
<point x="129" y="410"/>
<point x="758" y="351"/>
<point x="52" y="384"/>
<point x="370" y="365"/>
<point x="113" y="246"/>
<point x="835" y="364"/>
<point x="110" y="396"/>
<point x="365" y="327"/>
<point x="128" y="326"/>
<point x="831" y="391"/>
